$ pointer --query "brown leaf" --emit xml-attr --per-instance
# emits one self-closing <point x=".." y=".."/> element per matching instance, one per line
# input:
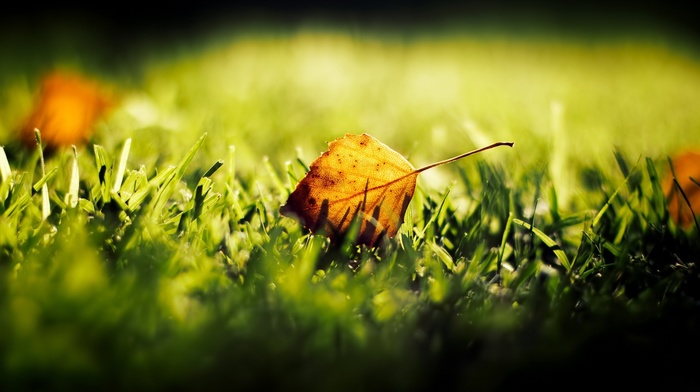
<point x="358" y="177"/>
<point x="66" y="110"/>
<point x="686" y="166"/>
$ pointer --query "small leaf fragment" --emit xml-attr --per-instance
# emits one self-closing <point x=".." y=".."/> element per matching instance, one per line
<point x="681" y="188"/>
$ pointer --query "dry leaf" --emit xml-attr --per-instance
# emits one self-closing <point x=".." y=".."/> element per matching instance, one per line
<point x="686" y="166"/>
<point x="358" y="177"/>
<point x="66" y="111"/>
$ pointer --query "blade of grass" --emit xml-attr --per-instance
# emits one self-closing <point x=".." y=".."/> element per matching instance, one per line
<point x="291" y="176"/>
<point x="687" y="202"/>
<point x="43" y="180"/>
<point x="87" y="206"/>
<point x="213" y="168"/>
<point x="443" y="255"/>
<point x="133" y="182"/>
<point x="504" y="240"/>
<point x="5" y="170"/>
<point x="163" y="194"/>
<point x="612" y="197"/>
<point x="658" y="199"/>
<point x="18" y="206"/>
<point x="122" y="166"/>
<point x="71" y="198"/>
<point x="621" y="163"/>
<point x="45" y="204"/>
<point x="103" y="170"/>
<point x="435" y="214"/>
<point x="275" y="178"/>
<point x="551" y="244"/>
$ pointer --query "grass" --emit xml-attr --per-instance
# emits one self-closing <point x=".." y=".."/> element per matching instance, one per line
<point x="552" y="264"/>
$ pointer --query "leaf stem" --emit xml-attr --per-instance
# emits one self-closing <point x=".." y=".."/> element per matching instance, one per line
<point x="466" y="154"/>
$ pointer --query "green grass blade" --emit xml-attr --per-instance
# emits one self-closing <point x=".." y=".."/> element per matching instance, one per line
<point x="621" y="163"/>
<point x="658" y="199"/>
<point x="551" y="244"/>
<point x="18" y="205"/>
<point x="281" y="189"/>
<point x="170" y="182"/>
<point x="504" y="239"/>
<point x="213" y="168"/>
<point x="104" y="171"/>
<point x="5" y="171"/>
<point x="43" y="180"/>
<point x="435" y="213"/>
<point x="443" y="255"/>
<point x="139" y="197"/>
<point x="87" y="206"/>
<point x="71" y="198"/>
<point x="605" y="207"/>
<point x="45" y="204"/>
<point x="119" y="176"/>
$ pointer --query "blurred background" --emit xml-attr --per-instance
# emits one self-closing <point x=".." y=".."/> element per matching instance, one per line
<point x="132" y="17"/>
<point x="118" y="31"/>
<point x="569" y="83"/>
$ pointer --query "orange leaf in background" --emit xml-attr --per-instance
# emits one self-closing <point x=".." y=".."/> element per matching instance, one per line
<point x="686" y="166"/>
<point x="361" y="177"/>
<point x="66" y="110"/>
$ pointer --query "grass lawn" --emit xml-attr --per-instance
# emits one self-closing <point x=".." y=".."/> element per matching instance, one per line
<point x="154" y="256"/>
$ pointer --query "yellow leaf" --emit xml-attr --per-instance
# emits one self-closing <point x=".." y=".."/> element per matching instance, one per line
<point x="358" y="179"/>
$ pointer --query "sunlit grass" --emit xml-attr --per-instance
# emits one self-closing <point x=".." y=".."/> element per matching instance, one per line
<point x="175" y="270"/>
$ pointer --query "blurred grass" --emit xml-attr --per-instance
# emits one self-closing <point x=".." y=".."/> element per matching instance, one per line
<point x="261" y="90"/>
<point x="557" y="256"/>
